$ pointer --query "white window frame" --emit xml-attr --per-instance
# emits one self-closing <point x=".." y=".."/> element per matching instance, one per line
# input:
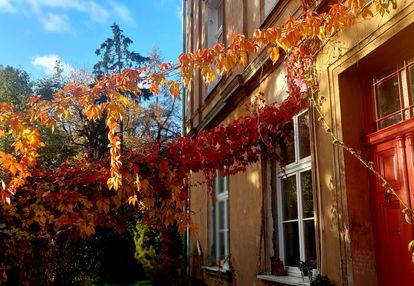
<point x="222" y="197"/>
<point x="406" y="110"/>
<point x="214" y="30"/>
<point x="294" y="168"/>
<point x="215" y="11"/>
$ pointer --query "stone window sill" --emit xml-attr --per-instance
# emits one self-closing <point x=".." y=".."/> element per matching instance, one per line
<point x="285" y="280"/>
<point x="219" y="272"/>
<point x="216" y="269"/>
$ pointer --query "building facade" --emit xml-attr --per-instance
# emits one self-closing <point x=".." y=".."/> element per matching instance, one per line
<point x="323" y="207"/>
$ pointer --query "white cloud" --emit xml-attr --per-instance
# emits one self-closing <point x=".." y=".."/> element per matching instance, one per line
<point x="57" y="23"/>
<point x="179" y="13"/>
<point x="77" y="5"/>
<point x="54" y="15"/>
<point x="97" y="13"/>
<point x="122" y="11"/>
<point x="48" y="63"/>
<point x="7" y="7"/>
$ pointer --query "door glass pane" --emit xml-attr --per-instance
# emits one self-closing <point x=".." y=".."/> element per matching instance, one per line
<point x="304" y="142"/>
<point x="390" y="120"/>
<point x="310" y="241"/>
<point x="307" y="194"/>
<point x="411" y="83"/>
<point x="289" y="198"/>
<point x="374" y="112"/>
<point x="388" y="96"/>
<point x="291" y="237"/>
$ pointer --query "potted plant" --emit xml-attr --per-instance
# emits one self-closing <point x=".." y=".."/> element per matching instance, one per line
<point x="278" y="269"/>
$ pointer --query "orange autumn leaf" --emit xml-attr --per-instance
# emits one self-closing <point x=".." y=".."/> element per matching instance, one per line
<point x="273" y="54"/>
<point x="174" y="88"/>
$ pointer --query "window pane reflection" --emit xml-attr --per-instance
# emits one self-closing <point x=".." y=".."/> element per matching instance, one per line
<point x="222" y="251"/>
<point x="307" y="194"/>
<point x="291" y="237"/>
<point x="411" y="83"/>
<point x="304" y="142"/>
<point x="214" y="233"/>
<point x="388" y="96"/>
<point x="390" y="120"/>
<point x="220" y="183"/>
<point x="289" y="194"/>
<point x="221" y="215"/>
<point x="288" y="153"/>
<point x="310" y="242"/>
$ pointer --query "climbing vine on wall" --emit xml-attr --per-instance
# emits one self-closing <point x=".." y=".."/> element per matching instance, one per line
<point x="84" y="194"/>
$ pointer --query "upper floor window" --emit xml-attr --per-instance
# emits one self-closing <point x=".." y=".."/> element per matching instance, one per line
<point x="214" y="22"/>
<point x="267" y="6"/>
<point x="219" y="225"/>
<point x="296" y="219"/>
<point x="393" y="96"/>
<point x="215" y="12"/>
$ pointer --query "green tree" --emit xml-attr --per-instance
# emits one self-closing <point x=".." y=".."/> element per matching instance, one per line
<point x="15" y="86"/>
<point x="61" y="144"/>
<point x="47" y="86"/>
<point x="115" y="54"/>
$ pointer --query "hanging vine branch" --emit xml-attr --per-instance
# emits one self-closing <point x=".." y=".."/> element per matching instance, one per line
<point x="85" y="194"/>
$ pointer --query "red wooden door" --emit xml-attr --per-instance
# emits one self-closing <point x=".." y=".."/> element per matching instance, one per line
<point x="394" y="158"/>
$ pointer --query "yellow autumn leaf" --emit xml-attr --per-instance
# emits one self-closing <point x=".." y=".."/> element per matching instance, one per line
<point x="273" y="54"/>
<point x="123" y="100"/>
<point x="411" y="245"/>
<point x="174" y="88"/>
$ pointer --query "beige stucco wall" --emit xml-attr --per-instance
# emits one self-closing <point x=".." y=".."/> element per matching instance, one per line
<point x="345" y="235"/>
<point x="245" y="199"/>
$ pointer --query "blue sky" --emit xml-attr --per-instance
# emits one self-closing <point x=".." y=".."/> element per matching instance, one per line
<point x="34" y="33"/>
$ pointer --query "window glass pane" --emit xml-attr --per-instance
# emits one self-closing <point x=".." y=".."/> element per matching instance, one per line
<point x="289" y="198"/>
<point x="304" y="141"/>
<point x="268" y="6"/>
<point x="307" y="194"/>
<point x="220" y="15"/>
<point x="288" y="152"/>
<point x="411" y="83"/>
<point x="214" y="232"/>
<point x="388" y="96"/>
<point x="310" y="241"/>
<point x="291" y="237"/>
<point x="220" y="183"/>
<point x="221" y="210"/>
<point x="390" y="120"/>
<point x="222" y="241"/>
<point x="374" y="112"/>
